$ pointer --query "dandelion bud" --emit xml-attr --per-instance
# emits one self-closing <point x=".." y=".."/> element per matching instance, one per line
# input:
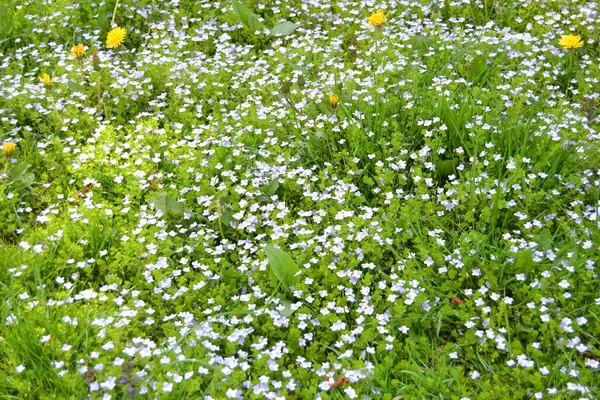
<point x="9" y="147"/>
<point x="46" y="80"/>
<point x="285" y="88"/>
<point x="333" y="100"/>
<point x="301" y="80"/>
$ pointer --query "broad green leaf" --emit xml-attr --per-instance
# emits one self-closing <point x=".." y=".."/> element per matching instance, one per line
<point x="287" y="311"/>
<point x="6" y="20"/>
<point x="253" y="23"/>
<point x="479" y="65"/>
<point x="226" y="218"/>
<point x="102" y="21"/>
<point x="544" y="239"/>
<point x="270" y="188"/>
<point x="284" y="28"/>
<point x="242" y="12"/>
<point x="75" y="87"/>
<point x="17" y="172"/>
<point x="282" y="265"/>
<point x="173" y="205"/>
<point x="159" y="199"/>
<point x="525" y="328"/>
<point x="524" y="262"/>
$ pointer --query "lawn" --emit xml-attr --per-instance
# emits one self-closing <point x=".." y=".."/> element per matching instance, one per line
<point x="306" y="199"/>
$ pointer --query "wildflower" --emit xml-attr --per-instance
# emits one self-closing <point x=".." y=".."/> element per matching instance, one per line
<point x="46" y="80"/>
<point x="333" y="100"/>
<point x="9" y="147"/>
<point x="78" y="50"/>
<point x="376" y="19"/>
<point x="571" y="42"/>
<point x="115" y="37"/>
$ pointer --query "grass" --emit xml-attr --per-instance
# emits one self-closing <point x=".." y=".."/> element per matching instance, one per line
<point x="438" y="226"/>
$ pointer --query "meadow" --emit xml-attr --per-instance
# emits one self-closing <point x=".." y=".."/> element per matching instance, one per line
<point x="305" y="199"/>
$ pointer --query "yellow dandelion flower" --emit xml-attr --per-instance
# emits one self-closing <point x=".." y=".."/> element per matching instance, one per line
<point x="571" y="42"/>
<point x="333" y="100"/>
<point x="115" y="37"/>
<point x="8" y="148"/>
<point x="78" y="50"/>
<point x="376" y="19"/>
<point x="46" y="80"/>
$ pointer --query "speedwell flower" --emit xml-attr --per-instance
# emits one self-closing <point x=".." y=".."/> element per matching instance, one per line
<point x="571" y="42"/>
<point x="376" y="19"/>
<point x="78" y="50"/>
<point x="115" y="37"/>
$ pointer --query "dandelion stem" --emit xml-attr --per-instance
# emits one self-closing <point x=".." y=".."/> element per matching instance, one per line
<point x="56" y="109"/>
<point x="115" y="11"/>
<point x="221" y="227"/>
<point x="570" y="70"/>
<point x="98" y="90"/>
<point x="293" y="107"/>
<point x="87" y="98"/>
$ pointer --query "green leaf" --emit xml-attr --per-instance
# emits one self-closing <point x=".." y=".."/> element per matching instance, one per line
<point x="526" y="328"/>
<point x="253" y="23"/>
<point x="287" y="311"/>
<point x="6" y="20"/>
<point x="479" y="65"/>
<point x="226" y="218"/>
<point x="524" y="262"/>
<point x="173" y="205"/>
<point x="75" y="87"/>
<point x="368" y="180"/>
<point x="544" y="239"/>
<point x="102" y="21"/>
<point x="159" y="199"/>
<point x="284" y="28"/>
<point x="270" y="188"/>
<point x="17" y="173"/>
<point x="242" y="12"/>
<point x="282" y="265"/>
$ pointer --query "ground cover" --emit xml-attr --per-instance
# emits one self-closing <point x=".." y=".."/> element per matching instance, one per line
<point x="304" y="199"/>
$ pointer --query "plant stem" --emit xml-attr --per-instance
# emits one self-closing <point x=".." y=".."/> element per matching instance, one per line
<point x="570" y="70"/>
<point x="293" y="107"/>
<point x="56" y="109"/>
<point x="83" y="82"/>
<point x="221" y="227"/>
<point x="115" y="11"/>
<point x="98" y="90"/>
